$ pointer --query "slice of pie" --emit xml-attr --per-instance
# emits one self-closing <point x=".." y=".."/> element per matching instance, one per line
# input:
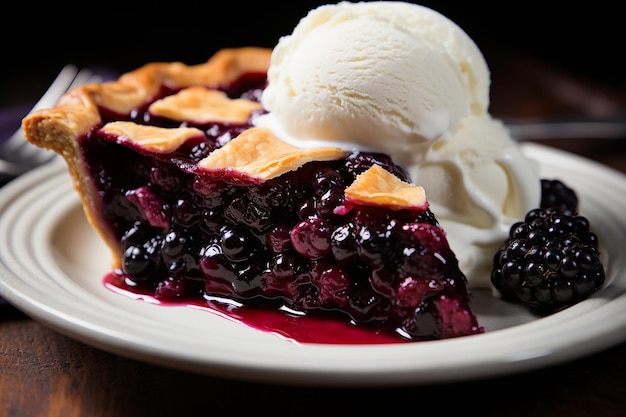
<point x="194" y="201"/>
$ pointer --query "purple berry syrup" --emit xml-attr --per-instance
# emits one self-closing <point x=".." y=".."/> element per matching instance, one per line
<point x="297" y="329"/>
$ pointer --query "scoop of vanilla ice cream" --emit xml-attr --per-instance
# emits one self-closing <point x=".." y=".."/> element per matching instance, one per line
<point x="329" y="82"/>
<point x="402" y="79"/>
<point x="440" y="33"/>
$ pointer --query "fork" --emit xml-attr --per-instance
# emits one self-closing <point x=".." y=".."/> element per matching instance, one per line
<point x="17" y="155"/>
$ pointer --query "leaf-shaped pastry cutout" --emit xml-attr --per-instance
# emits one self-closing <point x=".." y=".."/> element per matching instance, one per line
<point x="257" y="155"/>
<point x="154" y="139"/>
<point x="203" y="105"/>
<point x="379" y="187"/>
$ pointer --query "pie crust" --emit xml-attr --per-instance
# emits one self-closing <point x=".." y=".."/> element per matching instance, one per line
<point x="78" y="111"/>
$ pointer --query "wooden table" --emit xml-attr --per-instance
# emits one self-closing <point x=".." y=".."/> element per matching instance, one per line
<point x="45" y="373"/>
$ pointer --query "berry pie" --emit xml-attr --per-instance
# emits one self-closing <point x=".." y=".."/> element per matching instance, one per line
<point x="196" y="202"/>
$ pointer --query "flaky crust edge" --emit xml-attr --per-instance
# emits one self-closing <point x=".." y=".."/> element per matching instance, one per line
<point x="77" y="112"/>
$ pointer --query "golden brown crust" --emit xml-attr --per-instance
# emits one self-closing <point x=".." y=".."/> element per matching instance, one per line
<point x="379" y="187"/>
<point x="202" y="105"/>
<point x="259" y="156"/>
<point x="152" y="138"/>
<point x="77" y="112"/>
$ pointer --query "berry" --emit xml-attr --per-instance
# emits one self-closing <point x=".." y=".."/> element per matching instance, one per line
<point x="142" y="261"/>
<point x="555" y="193"/>
<point x="550" y="260"/>
<point x="311" y="238"/>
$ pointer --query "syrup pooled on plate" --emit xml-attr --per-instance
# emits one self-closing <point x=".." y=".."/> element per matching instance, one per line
<point x="292" y="327"/>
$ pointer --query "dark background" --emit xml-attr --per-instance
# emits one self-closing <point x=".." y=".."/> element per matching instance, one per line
<point x="587" y="42"/>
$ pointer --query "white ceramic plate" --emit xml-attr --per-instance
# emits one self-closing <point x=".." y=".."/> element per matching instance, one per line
<point x="52" y="264"/>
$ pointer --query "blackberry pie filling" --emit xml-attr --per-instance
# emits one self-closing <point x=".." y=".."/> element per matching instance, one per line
<point x="196" y="203"/>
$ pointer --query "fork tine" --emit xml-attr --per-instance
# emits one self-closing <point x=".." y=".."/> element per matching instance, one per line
<point x="16" y="142"/>
<point x="68" y="78"/>
<point x="25" y="155"/>
<point x="60" y="84"/>
<point x="83" y="77"/>
<point x="37" y="158"/>
<point x="21" y="150"/>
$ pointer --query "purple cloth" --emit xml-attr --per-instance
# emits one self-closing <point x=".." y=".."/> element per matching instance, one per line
<point x="10" y="120"/>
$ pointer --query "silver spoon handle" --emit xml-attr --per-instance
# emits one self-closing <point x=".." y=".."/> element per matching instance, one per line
<point x="608" y="128"/>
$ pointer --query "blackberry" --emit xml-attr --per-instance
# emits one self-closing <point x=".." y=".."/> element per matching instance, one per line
<point x="550" y="260"/>
<point x="555" y="193"/>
